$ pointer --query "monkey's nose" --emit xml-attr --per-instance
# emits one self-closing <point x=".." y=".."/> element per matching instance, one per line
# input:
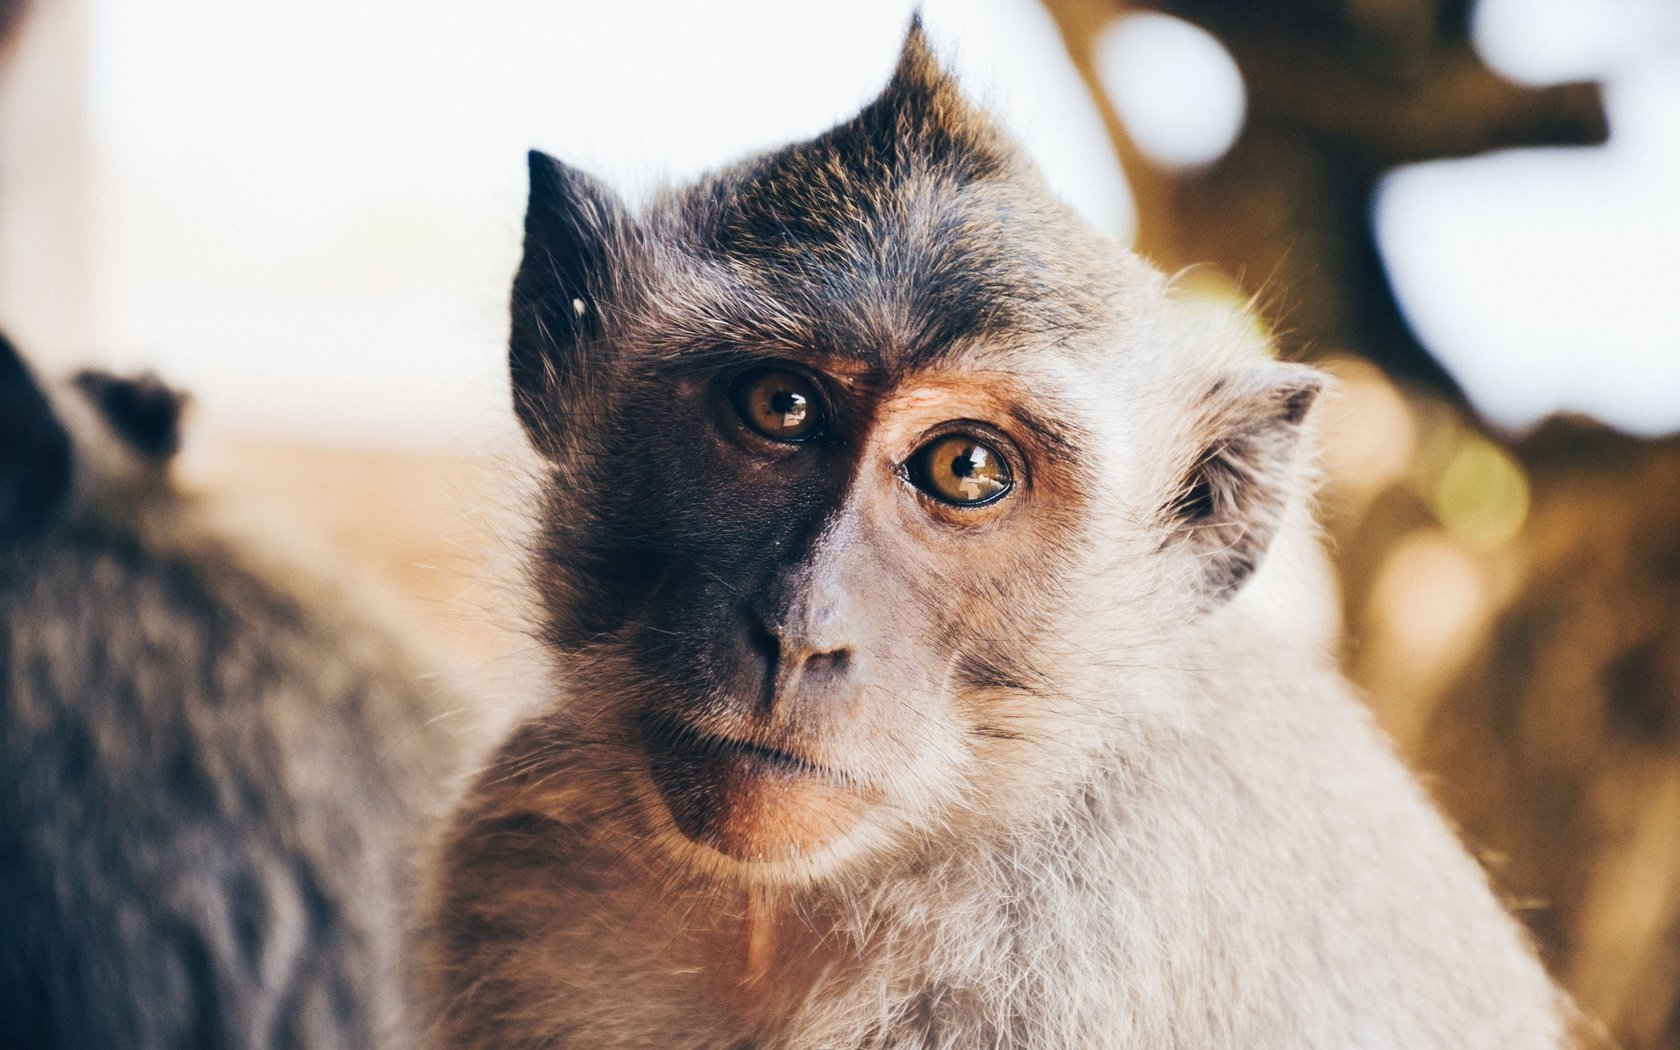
<point x="797" y="661"/>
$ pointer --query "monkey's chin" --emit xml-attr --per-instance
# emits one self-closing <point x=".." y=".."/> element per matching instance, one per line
<point x="749" y="803"/>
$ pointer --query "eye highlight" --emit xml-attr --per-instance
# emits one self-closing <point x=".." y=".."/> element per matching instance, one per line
<point x="961" y="470"/>
<point x="778" y="404"/>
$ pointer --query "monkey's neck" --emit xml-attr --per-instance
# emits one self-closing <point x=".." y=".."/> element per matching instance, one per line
<point x="754" y="954"/>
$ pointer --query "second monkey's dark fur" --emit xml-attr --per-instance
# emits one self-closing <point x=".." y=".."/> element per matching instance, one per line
<point x="211" y="768"/>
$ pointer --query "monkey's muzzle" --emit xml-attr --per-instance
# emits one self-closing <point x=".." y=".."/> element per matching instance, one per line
<point x="746" y="800"/>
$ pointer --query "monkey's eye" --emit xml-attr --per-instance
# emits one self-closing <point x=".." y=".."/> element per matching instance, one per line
<point x="781" y="405"/>
<point x="961" y="470"/>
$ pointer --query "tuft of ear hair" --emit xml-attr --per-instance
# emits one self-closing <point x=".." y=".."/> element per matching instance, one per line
<point x="921" y="113"/>
<point x="574" y="226"/>
<point x="1233" y="498"/>
<point x="142" y="410"/>
<point x="35" y="455"/>
<point x="786" y="204"/>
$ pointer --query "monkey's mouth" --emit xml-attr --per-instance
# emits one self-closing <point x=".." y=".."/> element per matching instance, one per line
<point x="746" y="800"/>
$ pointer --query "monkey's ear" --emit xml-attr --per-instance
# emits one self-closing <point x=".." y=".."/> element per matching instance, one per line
<point x="35" y="452"/>
<point x="1233" y="498"/>
<point x="142" y="410"/>
<point x="574" y="226"/>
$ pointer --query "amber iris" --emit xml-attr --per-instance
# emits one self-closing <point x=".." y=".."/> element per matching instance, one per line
<point x="781" y="405"/>
<point x="961" y="470"/>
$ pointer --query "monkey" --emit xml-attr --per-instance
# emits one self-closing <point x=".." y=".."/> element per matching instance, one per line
<point x="214" y="768"/>
<point x="920" y="579"/>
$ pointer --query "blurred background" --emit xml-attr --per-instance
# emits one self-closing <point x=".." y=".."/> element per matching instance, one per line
<point x="307" y="213"/>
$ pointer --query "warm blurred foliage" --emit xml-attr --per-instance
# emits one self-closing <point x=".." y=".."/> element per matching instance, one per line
<point x="1514" y="616"/>
<point x="1558" y="742"/>
<point x="1513" y="607"/>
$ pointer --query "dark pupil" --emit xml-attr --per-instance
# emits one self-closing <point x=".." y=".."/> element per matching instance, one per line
<point x="786" y="403"/>
<point x="963" y="465"/>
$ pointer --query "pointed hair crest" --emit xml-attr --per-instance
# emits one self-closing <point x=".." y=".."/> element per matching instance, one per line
<point x="922" y="114"/>
<point x="828" y="190"/>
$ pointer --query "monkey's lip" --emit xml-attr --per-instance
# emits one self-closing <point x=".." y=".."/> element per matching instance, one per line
<point x="747" y="800"/>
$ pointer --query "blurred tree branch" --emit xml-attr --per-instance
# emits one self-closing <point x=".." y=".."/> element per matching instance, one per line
<point x="1339" y="92"/>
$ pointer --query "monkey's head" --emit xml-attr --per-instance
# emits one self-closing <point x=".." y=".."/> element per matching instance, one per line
<point x="873" y="480"/>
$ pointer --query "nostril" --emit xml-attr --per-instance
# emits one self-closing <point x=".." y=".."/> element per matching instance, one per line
<point x="828" y="666"/>
<point x="788" y="665"/>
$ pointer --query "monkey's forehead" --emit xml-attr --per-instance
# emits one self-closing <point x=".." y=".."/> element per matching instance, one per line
<point x="896" y="275"/>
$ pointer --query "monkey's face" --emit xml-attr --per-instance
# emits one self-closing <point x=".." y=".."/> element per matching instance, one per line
<point x="844" y="459"/>
<point x="817" y="571"/>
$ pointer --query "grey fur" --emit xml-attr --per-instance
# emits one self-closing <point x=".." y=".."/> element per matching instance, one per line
<point x="211" y="767"/>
